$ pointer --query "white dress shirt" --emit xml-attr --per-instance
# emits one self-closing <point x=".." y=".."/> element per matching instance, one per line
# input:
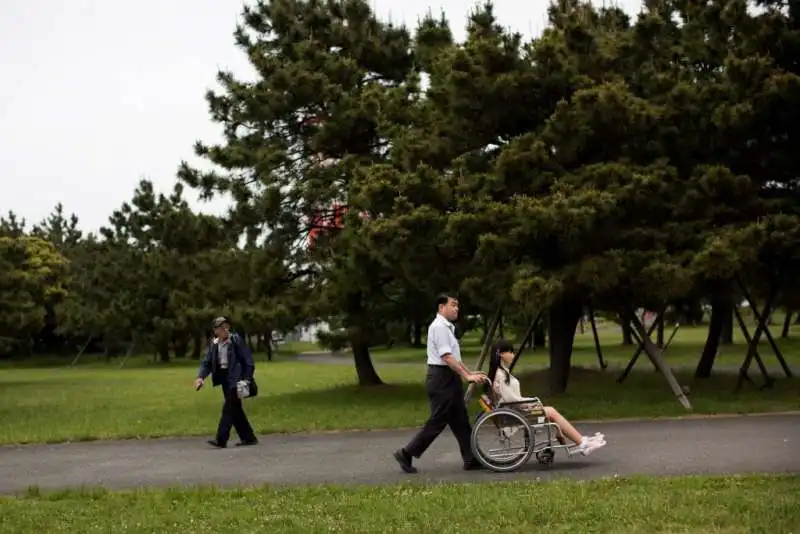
<point x="442" y="340"/>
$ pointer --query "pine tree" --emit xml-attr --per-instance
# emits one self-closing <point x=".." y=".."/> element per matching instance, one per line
<point x="297" y="135"/>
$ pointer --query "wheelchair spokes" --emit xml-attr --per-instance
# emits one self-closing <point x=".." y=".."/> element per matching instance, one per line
<point x="502" y="440"/>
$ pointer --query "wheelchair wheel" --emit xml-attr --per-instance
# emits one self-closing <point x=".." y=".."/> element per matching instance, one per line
<point x="546" y="456"/>
<point x="502" y="440"/>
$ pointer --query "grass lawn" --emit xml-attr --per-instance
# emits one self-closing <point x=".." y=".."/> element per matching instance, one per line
<point x="688" y="504"/>
<point x="684" y="351"/>
<point x="97" y="401"/>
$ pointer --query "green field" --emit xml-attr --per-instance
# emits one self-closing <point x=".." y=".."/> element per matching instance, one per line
<point x="741" y="504"/>
<point x="96" y="400"/>
<point x="684" y="350"/>
<point x="47" y="401"/>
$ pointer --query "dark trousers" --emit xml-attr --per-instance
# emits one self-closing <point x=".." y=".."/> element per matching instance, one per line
<point x="447" y="408"/>
<point x="233" y="416"/>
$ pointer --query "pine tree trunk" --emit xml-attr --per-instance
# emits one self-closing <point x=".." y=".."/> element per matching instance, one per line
<point x="726" y="336"/>
<point x="197" y="345"/>
<point x="627" y="336"/>
<point x="268" y="346"/>
<point x="563" y="320"/>
<point x="718" y="310"/>
<point x="180" y="346"/>
<point x="539" y="338"/>
<point x="365" y="370"/>
<point x="485" y="333"/>
<point x="163" y="352"/>
<point x="358" y="333"/>
<point x="787" y="324"/>
<point x="417" y="334"/>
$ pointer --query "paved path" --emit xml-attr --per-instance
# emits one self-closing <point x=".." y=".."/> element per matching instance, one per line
<point x="765" y="444"/>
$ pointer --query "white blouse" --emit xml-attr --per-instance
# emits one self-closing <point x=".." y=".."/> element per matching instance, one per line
<point x="508" y="392"/>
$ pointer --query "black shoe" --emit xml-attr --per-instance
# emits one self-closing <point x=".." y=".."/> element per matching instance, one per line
<point x="404" y="460"/>
<point x="217" y="444"/>
<point x="472" y="466"/>
<point x="247" y="443"/>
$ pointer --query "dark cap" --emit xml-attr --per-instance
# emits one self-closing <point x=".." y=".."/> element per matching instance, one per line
<point x="501" y="346"/>
<point x="219" y="321"/>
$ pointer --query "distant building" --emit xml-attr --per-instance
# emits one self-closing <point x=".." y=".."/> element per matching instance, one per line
<point x="308" y="333"/>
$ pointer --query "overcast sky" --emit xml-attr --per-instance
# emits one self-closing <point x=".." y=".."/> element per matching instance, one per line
<point x="98" y="94"/>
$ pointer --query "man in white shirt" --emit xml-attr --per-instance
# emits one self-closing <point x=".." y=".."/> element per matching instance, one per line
<point x="444" y="389"/>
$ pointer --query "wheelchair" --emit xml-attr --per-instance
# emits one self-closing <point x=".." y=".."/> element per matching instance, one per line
<point x="518" y="434"/>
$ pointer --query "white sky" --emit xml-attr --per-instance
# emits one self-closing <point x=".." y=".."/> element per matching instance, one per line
<point x="98" y="94"/>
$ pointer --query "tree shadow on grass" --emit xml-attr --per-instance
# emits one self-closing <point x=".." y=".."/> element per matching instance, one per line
<point x="584" y="379"/>
<point x="592" y="394"/>
<point x="596" y="394"/>
<point x="45" y="381"/>
<point x="584" y="383"/>
<point x="388" y="395"/>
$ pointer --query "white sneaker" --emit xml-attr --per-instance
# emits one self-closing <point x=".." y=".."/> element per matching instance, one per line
<point x="589" y="445"/>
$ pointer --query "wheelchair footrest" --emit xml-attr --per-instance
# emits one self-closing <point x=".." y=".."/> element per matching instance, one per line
<point x="573" y="451"/>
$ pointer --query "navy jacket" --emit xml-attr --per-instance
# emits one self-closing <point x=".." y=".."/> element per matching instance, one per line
<point x="240" y="363"/>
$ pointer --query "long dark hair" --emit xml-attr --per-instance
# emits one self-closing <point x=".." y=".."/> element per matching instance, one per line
<point x="498" y="347"/>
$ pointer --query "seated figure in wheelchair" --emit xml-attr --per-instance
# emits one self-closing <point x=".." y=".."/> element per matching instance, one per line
<point x="506" y="390"/>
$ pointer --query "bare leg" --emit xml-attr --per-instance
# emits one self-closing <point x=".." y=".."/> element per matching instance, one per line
<point x="565" y="426"/>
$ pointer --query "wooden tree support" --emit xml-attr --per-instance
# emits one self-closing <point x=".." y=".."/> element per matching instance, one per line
<point x="768" y="380"/>
<point x="639" y="349"/>
<point x="487" y="343"/>
<point x="787" y="323"/>
<point x="656" y="357"/>
<point x="128" y="353"/>
<point x="88" y="340"/>
<point x="599" y="350"/>
<point x="762" y="326"/>
<point x="665" y="348"/>
<point x="526" y="339"/>
<point x="675" y="329"/>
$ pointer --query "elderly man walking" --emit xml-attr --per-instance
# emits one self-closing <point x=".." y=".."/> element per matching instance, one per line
<point x="445" y="393"/>
<point x="228" y="361"/>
